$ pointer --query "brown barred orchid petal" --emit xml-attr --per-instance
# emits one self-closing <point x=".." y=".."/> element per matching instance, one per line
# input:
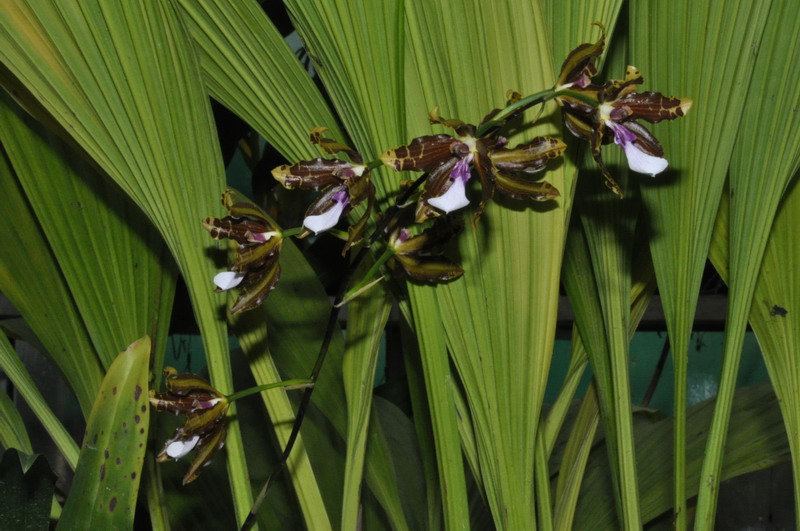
<point x="579" y="66"/>
<point x="416" y="254"/>
<point x="522" y="189"/>
<point x="424" y="153"/>
<point x="206" y="448"/>
<point x="461" y="128"/>
<point x="238" y="229"/>
<point x="356" y="230"/>
<point x="258" y="286"/>
<point x="315" y="174"/>
<point x="649" y="106"/>
<point x="239" y="206"/>
<point x="332" y="147"/>
<point x="188" y="383"/>
<point x="531" y="157"/>
<point x="485" y="170"/>
<point x="428" y="269"/>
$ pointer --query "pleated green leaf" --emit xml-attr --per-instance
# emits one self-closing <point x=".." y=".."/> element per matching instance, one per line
<point x="609" y="226"/>
<point x="106" y="484"/>
<point x="499" y="318"/>
<point x="31" y="279"/>
<point x="357" y="48"/>
<point x="759" y="174"/>
<point x="703" y="52"/>
<point x="447" y="438"/>
<point x="367" y="317"/>
<point x="114" y="262"/>
<point x="250" y="69"/>
<point x="125" y="85"/>
<point x="393" y="450"/>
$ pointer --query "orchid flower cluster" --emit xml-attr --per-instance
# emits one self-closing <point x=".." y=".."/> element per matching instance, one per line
<point x="596" y="113"/>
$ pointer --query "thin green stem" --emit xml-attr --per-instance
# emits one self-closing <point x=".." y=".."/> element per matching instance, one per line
<point x="517" y="106"/>
<point x="297" y="383"/>
<point x="294" y="231"/>
<point x="529" y="101"/>
<point x="388" y="253"/>
<point x="377" y="163"/>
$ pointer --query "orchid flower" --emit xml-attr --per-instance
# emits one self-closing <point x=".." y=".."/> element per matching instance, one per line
<point x="417" y="256"/>
<point x="344" y="185"/>
<point x="205" y="409"/>
<point x="449" y="159"/>
<point x="604" y="113"/>
<point x="256" y="269"/>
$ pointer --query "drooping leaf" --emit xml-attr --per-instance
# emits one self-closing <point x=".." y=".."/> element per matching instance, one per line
<point x="12" y="366"/>
<point x="12" y="429"/>
<point x="106" y="485"/>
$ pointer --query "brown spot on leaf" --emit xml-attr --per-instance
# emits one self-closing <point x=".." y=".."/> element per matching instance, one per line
<point x="137" y="418"/>
<point x="114" y="390"/>
<point x="144" y="409"/>
<point x="133" y="475"/>
<point x="137" y="393"/>
<point x="141" y="430"/>
<point x="112" y="504"/>
<point x="102" y="472"/>
<point x="118" y="461"/>
<point x="105" y="453"/>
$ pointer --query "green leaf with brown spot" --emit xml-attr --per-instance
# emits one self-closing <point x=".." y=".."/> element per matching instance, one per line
<point x="103" y="493"/>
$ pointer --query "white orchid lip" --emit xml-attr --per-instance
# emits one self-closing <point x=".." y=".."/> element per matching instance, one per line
<point x="228" y="280"/>
<point x="638" y="160"/>
<point x="329" y="218"/>
<point x="454" y="198"/>
<point x="641" y="162"/>
<point x="178" y="449"/>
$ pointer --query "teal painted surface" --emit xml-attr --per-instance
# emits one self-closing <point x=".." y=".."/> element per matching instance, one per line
<point x="185" y="353"/>
<point x="705" y="358"/>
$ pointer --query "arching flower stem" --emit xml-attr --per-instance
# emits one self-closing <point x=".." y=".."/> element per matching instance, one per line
<point x="296" y="383"/>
